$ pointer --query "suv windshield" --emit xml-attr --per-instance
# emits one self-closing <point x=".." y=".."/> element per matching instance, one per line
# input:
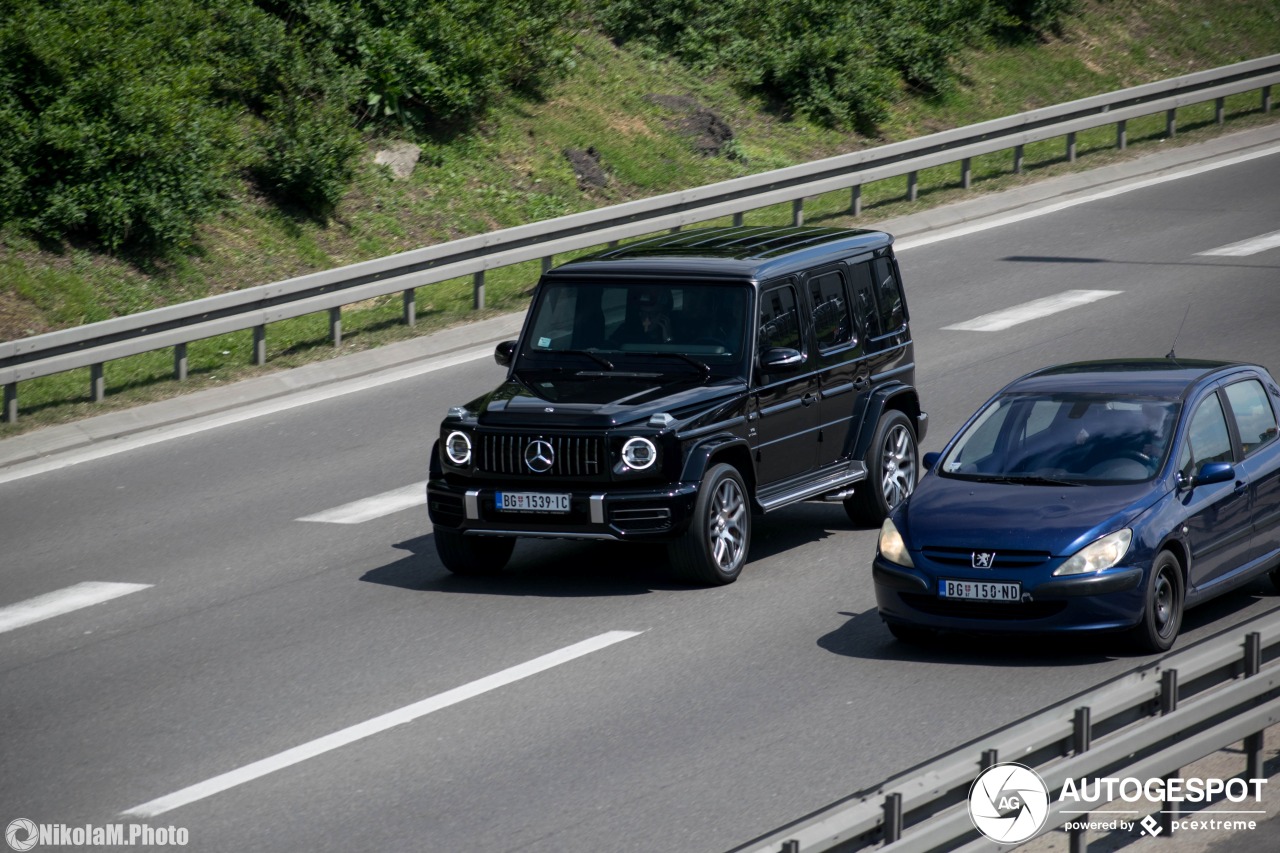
<point x="1045" y="439"/>
<point x="701" y="324"/>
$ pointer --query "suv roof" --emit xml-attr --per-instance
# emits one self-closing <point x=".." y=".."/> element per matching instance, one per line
<point x="756" y="252"/>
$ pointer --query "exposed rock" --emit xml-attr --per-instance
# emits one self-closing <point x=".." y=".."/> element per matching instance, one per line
<point x="400" y="158"/>
<point x="586" y="167"/>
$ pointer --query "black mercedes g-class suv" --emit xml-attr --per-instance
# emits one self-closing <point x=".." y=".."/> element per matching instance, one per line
<point x="667" y="390"/>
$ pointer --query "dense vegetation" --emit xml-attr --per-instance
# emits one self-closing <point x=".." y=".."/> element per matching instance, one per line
<point x="125" y="123"/>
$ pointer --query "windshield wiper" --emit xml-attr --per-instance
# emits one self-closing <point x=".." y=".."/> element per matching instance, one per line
<point x="1029" y="480"/>
<point x="599" y="359"/>
<point x="701" y="365"/>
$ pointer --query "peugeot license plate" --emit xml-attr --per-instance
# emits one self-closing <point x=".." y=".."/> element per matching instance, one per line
<point x="531" y="502"/>
<point x="980" y="590"/>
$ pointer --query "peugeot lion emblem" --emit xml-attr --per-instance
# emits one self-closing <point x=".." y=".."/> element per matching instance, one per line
<point x="539" y="456"/>
<point x="984" y="559"/>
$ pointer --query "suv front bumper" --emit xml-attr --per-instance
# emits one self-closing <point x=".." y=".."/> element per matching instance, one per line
<point x="656" y="514"/>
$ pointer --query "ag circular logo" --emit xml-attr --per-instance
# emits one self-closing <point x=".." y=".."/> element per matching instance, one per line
<point x="22" y="834"/>
<point x="1008" y="803"/>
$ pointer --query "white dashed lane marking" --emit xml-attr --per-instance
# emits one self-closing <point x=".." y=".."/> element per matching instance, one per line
<point x="1251" y="246"/>
<point x="349" y="735"/>
<point x="1033" y="310"/>
<point x="63" y="601"/>
<point x="377" y="506"/>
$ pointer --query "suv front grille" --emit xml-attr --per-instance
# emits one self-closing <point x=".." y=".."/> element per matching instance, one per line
<point x="574" y="456"/>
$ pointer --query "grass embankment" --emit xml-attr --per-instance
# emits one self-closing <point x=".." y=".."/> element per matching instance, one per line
<point x="635" y="110"/>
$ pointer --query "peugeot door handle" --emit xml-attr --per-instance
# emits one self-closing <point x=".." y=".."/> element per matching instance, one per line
<point x="1241" y="488"/>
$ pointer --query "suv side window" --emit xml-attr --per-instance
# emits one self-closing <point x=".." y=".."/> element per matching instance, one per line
<point x="864" y="300"/>
<point x="779" y="319"/>
<point x="832" y="319"/>
<point x="889" y="295"/>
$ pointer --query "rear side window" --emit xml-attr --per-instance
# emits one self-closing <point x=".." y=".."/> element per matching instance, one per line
<point x="1255" y="418"/>
<point x="889" y="296"/>
<point x="862" y="286"/>
<point x="832" y="320"/>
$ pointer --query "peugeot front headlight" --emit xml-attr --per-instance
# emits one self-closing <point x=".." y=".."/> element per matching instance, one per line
<point x="891" y="545"/>
<point x="1097" y="555"/>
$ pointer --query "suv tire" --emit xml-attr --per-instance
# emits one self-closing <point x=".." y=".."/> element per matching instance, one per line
<point x="472" y="555"/>
<point x="892" y="471"/>
<point x="714" y="548"/>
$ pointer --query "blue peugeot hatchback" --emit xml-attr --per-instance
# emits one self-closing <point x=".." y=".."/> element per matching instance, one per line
<point x="1096" y="496"/>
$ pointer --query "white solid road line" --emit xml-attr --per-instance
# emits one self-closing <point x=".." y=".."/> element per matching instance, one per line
<point x="1247" y="247"/>
<point x="374" y="726"/>
<point x="1032" y="310"/>
<point x="1111" y="192"/>
<point x="63" y="601"/>
<point x="377" y="506"/>
<point x="256" y="410"/>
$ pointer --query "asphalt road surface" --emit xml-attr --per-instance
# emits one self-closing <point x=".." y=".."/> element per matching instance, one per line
<point x="277" y="660"/>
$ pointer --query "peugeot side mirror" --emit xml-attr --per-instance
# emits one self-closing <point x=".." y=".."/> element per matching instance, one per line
<point x="504" y="353"/>
<point x="931" y="459"/>
<point x="1214" y="472"/>
<point x="1209" y="473"/>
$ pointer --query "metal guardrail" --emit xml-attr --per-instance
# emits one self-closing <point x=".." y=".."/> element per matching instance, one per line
<point x="254" y="308"/>
<point x="1147" y="724"/>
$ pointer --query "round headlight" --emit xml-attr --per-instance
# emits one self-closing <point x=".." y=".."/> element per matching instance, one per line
<point x="458" y="448"/>
<point x="639" y="453"/>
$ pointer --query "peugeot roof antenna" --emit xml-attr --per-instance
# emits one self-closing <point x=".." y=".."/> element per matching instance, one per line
<point x="1174" y="345"/>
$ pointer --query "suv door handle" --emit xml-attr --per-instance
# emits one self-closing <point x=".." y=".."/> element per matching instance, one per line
<point x="861" y="383"/>
<point x="809" y="399"/>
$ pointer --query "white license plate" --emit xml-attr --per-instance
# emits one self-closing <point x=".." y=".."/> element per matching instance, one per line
<point x="980" y="590"/>
<point x="531" y="502"/>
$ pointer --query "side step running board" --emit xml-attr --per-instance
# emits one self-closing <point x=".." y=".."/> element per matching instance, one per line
<point x="838" y="483"/>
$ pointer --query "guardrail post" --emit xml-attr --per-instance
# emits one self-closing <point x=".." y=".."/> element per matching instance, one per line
<point x="1018" y="156"/>
<point x="913" y="185"/>
<point x="990" y="758"/>
<point x="966" y="172"/>
<point x="1266" y="99"/>
<point x="737" y="219"/>
<point x="1171" y="123"/>
<point x="11" y="402"/>
<point x="790" y="846"/>
<point x="335" y="325"/>
<point x="1168" y="704"/>
<point x="1220" y="110"/>
<point x="97" y="384"/>
<point x="477" y="290"/>
<point x="180" y="362"/>
<point x="1254" y="743"/>
<point x="410" y="307"/>
<point x="797" y="212"/>
<point x="1081" y="738"/>
<point x="892" y="817"/>
<point x="855" y="200"/>
<point x="547" y="263"/>
<point x="1071" y="147"/>
<point x="259" y="345"/>
<point x="1122" y="135"/>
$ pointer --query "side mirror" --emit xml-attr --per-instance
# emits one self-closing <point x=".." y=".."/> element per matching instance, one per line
<point x="1214" y="472"/>
<point x="931" y="459"/>
<point x="775" y="357"/>
<point x="504" y="353"/>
